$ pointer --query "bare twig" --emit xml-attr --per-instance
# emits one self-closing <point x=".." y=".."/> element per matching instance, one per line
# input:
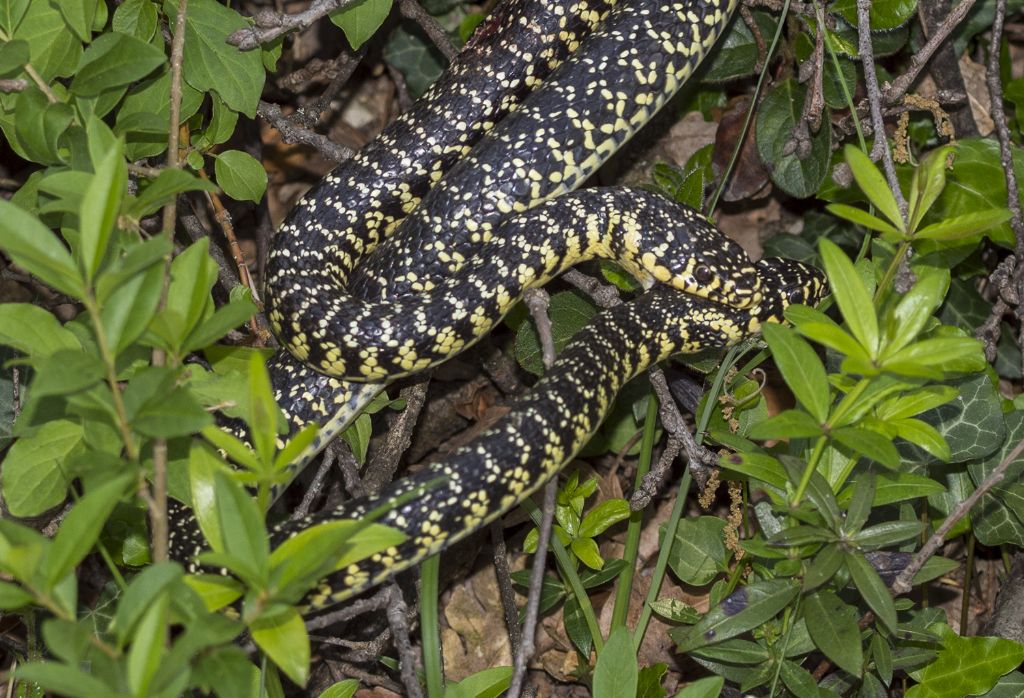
<point x="508" y="595"/>
<point x="898" y="87"/>
<point x="904" y="582"/>
<point x="881" y="147"/>
<point x="945" y="70"/>
<point x="345" y="65"/>
<point x="270" y="25"/>
<point x="315" y="487"/>
<point x="294" y="133"/>
<point x="397" y="611"/>
<point x="527" y="646"/>
<point x="537" y="300"/>
<point x="157" y="503"/>
<point x="698" y="458"/>
<point x="653" y="480"/>
<point x="13" y="85"/>
<point x="385" y="462"/>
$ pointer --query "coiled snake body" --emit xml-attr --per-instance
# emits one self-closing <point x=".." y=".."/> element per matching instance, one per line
<point x="416" y="248"/>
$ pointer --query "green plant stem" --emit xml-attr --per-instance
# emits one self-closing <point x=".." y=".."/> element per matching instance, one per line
<point x="734" y="578"/>
<point x="429" y="627"/>
<point x="567" y="568"/>
<point x="624" y="589"/>
<point x="713" y="202"/>
<point x="111" y="370"/>
<point x="890" y="273"/>
<point x="812" y="465"/>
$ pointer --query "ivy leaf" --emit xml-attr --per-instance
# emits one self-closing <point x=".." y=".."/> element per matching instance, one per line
<point x="966" y="666"/>
<point x="779" y="117"/>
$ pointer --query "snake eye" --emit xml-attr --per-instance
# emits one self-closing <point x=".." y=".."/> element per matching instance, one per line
<point x="795" y="296"/>
<point x="703" y="274"/>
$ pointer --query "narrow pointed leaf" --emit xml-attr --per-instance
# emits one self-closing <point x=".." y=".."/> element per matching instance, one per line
<point x="801" y="368"/>
<point x="852" y="296"/>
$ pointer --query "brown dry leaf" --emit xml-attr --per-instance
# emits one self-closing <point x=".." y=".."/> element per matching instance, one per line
<point x="748" y="227"/>
<point x="977" y="93"/>
<point x="476" y="637"/>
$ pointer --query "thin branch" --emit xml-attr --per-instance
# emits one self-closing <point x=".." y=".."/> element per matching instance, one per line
<point x="270" y="25"/>
<point x="291" y="132"/>
<point x="881" y="146"/>
<point x="13" y="85"/>
<point x="397" y="614"/>
<point x="527" y="646"/>
<point x="904" y="582"/>
<point x="508" y="595"/>
<point x="898" y="87"/>
<point x="537" y="300"/>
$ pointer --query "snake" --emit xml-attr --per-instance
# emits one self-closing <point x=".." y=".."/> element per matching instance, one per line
<point x="414" y="249"/>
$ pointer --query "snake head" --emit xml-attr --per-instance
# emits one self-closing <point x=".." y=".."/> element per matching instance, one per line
<point x="788" y="282"/>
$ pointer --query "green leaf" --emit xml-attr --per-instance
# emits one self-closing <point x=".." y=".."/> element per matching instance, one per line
<point x="489" y="683"/>
<point x="872" y="589"/>
<point x="851" y="295"/>
<point x="152" y="582"/>
<point x="147" y="648"/>
<point x="896" y="487"/>
<point x="737" y="52"/>
<point x="79" y="15"/>
<point x="914" y="309"/>
<point x="998" y="518"/>
<point x="213" y="65"/>
<point x="35" y="249"/>
<point x="114" y="60"/>
<point x="63" y="680"/>
<point x="698" y="549"/>
<point x="65" y="372"/>
<point x="801" y="368"/>
<point x="861" y="502"/>
<point x="649" y="680"/>
<point x="13" y="597"/>
<point x="615" y="675"/>
<point x="675" y="611"/>
<point x="790" y="424"/>
<point x="136" y="17"/>
<point x="33" y="331"/>
<point x="240" y="175"/>
<point x="746" y="608"/>
<point x="915" y="402"/>
<point x="797" y="169"/>
<point x="81" y="528"/>
<point x="927" y="184"/>
<point x="861" y="217"/>
<point x="869" y="443"/>
<point x="964" y="226"/>
<point x="284" y="638"/>
<point x="709" y="687"/>
<point x="241" y="527"/>
<point x="54" y="49"/>
<point x="966" y="666"/>
<point x="13" y="56"/>
<point x="885" y="14"/>
<point x="757" y="466"/>
<point x="346" y="689"/>
<point x="604" y="515"/>
<point x="824" y="566"/>
<point x="98" y="212"/>
<point x="162" y="190"/>
<point x="33" y="473"/>
<point x="919" y="358"/>
<point x="587" y="552"/>
<point x="873" y="184"/>
<point x="360" y="21"/>
<point x="924" y="436"/>
<point x="887" y="534"/>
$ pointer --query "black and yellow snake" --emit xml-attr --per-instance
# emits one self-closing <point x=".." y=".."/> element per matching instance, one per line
<point x="414" y="249"/>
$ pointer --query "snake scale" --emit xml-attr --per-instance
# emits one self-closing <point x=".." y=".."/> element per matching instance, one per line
<point x="416" y="248"/>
